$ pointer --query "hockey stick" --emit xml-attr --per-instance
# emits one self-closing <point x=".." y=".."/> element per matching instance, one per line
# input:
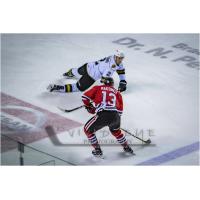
<point x="73" y="109"/>
<point x="145" y="141"/>
<point x="70" y="110"/>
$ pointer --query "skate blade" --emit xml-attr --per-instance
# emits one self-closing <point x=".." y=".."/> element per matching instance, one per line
<point x="72" y="78"/>
<point x="99" y="156"/>
<point x="131" y="154"/>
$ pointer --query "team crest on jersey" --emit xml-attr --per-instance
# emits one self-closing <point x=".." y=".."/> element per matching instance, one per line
<point x="113" y="66"/>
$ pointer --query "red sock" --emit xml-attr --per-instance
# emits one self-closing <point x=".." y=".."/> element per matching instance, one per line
<point x="120" y="137"/>
<point x="92" y="138"/>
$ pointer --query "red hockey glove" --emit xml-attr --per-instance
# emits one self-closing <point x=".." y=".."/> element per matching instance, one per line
<point x="90" y="108"/>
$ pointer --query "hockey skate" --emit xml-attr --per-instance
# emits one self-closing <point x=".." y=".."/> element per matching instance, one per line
<point x="69" y="75"/>
<point x="128" y="149"/>
<point x="55" y="88"/>
<point x="97" y="152"/>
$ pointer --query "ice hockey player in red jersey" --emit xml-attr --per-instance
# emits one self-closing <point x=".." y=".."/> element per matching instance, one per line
<point x="107" y="103"/>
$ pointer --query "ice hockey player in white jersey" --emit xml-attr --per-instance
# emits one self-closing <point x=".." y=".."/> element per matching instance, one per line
<point x="93" y="71"/>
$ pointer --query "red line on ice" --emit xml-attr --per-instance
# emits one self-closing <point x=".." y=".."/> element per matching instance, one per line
<point x="20" y="114"/>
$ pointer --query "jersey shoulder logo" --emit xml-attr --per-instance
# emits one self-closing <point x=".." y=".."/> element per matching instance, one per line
<point x="113" y="66"/>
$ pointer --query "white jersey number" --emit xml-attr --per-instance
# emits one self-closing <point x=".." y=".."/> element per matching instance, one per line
<point x="110" y="99"/>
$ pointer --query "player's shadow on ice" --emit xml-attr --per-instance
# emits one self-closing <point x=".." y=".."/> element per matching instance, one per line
<point x="108" y="158"/>
<point x="53" y="137"/>
<point x="62" y="100"/>
<point x="115" y="154"/>
<point x="57" y="99"/>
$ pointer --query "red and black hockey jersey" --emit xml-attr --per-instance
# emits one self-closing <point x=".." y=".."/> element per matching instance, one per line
<point x="104" y="98"/>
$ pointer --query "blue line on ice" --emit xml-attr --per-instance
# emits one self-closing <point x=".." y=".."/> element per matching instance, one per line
<point x="172" y="155"/>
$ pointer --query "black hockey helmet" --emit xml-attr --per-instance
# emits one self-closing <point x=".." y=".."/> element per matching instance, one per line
<point x="107" y="81"/>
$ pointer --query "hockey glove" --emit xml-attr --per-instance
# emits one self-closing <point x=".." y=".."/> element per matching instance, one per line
<point x="122" y="86"/>
<point x="90" y="108"/>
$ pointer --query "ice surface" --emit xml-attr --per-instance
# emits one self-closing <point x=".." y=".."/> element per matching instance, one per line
<point x="162" y="95"/>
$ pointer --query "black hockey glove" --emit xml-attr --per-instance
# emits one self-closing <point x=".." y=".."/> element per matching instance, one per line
<point x="122" y="86"/>
<point x="90" y="108"/>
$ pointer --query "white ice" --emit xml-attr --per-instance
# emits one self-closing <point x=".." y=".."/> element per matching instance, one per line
<point x="162" y="95"/>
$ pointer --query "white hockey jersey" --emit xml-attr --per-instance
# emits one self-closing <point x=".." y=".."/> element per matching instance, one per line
<point x="105" y="67"/>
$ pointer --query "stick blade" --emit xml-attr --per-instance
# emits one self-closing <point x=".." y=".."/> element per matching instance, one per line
<point x="148" y="141"/>
<point x="64" y="110"/>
